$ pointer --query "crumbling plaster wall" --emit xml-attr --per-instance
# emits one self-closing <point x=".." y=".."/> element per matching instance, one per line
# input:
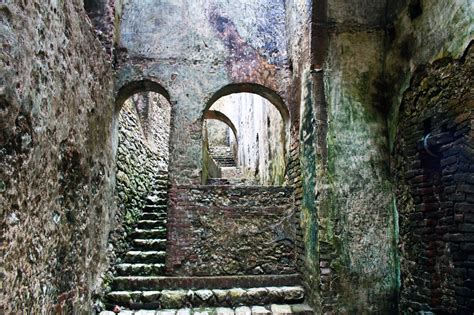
<point x="196" y="48"/>
<point x="346" y="200"/>
<point x="56" y="157"/>
<point x="356" y="218"/>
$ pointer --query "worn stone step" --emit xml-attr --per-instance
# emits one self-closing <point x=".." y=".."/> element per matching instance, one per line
<point x="156" y="195"/>
<point x="153" y="216"/>
<point x="155" y="208"/>
<point x="162" y="180"/>
<point x="140" y="269"/>
<point x="175" y="299"/>
<point x="149" y="233"/>
<point x="156" y="200"/>
<point x="145" y="256"/>
<point x="150" y="224"/>
<point x="205" y="282"/>
<point x="277" y="309"/>
<point x="149" y="244"/>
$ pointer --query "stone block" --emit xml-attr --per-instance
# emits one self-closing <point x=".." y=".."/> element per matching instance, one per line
<point x="260" y="310"/>
<point x="243" y="310"/>
<point x="281" y="309"/>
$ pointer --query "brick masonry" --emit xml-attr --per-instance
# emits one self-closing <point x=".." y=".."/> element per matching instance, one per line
<point x="435" y="188"/>
<point x="224" y="230"/>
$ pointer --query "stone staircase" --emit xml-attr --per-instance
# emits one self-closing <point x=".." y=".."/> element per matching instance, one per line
<point x="146" y="256"/>
<point x="160" y="295"/>
<point x="231" y="173"/>
<point x="223" y="156"/>
<point x="141" y="286"/>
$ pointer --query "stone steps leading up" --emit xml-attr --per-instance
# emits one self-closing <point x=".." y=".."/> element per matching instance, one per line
<point x="175" y="299"/>
<point x="222" y="156"/>
<point x="139" y="283"/>
<point x="280" y="309"/>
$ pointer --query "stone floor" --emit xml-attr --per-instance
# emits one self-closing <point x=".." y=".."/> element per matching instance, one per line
<point x="299" y="309"/>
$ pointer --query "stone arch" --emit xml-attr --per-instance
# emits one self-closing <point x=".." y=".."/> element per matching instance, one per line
<point x="127" y="90"/>
<point x="272" y="97"/>
<point x="217" y="115"/>
<point x="143" y="85"/>
<point x="254" y="88"/>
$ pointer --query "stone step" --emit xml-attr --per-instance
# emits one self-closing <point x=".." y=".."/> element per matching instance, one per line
<point x="135" y="256"/>
<point x="204" y="282"/>
<point x="161" y="180"/>
<point x="175" y="299"/>
<point x="277" y="309"/>
<point x="140" y="269"/>
<point x="158" y="192"/>
<point x="155" y="207"/>
<point x="149" y="244"/>
<point x="149" y="233"/>
<point x="159" y="186"/>
<point x="153" y="216"/>
<point x="150" y="224"/>
<point x="156" y="200"/>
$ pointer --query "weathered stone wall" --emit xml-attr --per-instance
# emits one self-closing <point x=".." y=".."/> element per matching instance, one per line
<point x="261" y="139"/>
<point x="218" y="133"/>
<point x="435" y="184"/>
<point x="223" y="230"/>
<point x="56" y="163"/>
<point x="154" y="113"/>
<point x="195" y="49"/>
<point x="105" y="16"/>
<point x="210" y="169"/>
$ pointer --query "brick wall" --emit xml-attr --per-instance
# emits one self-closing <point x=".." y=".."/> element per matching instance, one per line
<point x="224" y="230"/>
<point x="436" y="189"/>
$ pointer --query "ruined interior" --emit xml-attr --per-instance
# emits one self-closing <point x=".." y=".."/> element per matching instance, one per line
<point x="237" y="157"/>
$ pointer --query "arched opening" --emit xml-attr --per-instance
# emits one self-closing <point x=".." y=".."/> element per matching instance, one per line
<point x="142" y="133"/>
<point x="254" y="151"/>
